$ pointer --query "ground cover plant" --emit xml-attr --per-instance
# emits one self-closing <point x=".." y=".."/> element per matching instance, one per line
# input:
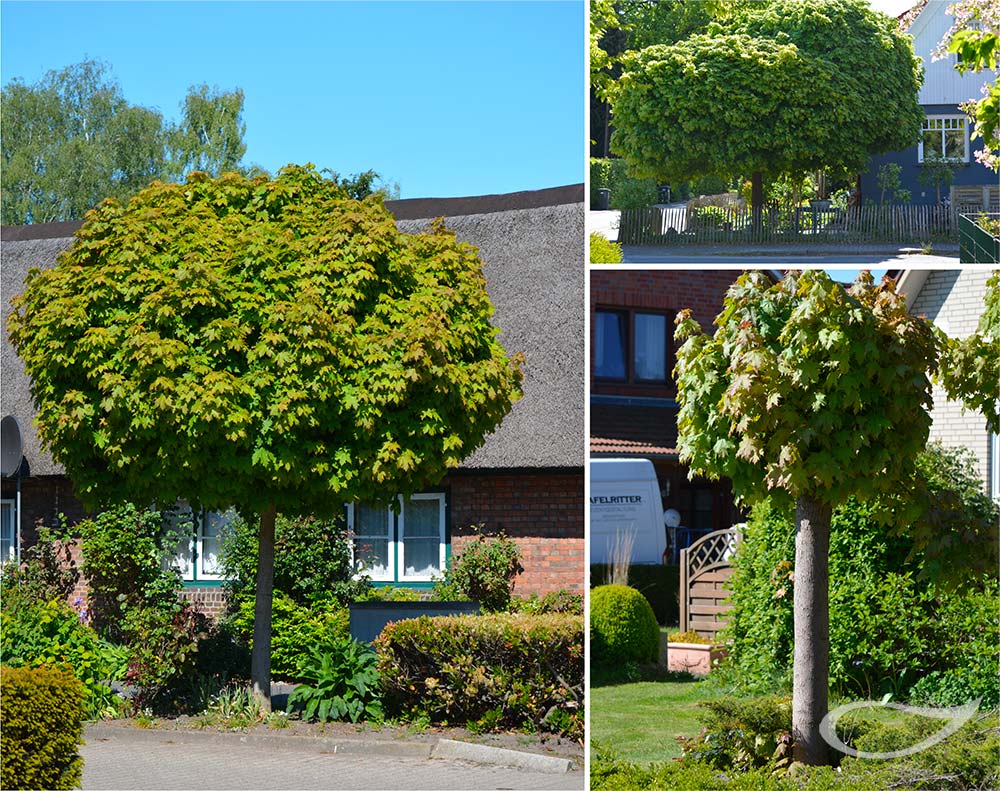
<point x="278" y="344"/>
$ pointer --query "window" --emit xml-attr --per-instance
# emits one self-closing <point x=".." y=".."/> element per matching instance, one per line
<point x="632" y="346"/>
<point x="199" y="546"/>
<point x="8" y="531"/>
<point x="945" y="136"/>
<point x="609" y="345"/>
<point x="404" y="547"/>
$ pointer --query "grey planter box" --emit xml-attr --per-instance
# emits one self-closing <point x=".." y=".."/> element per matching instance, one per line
<point x="369" y="618"/>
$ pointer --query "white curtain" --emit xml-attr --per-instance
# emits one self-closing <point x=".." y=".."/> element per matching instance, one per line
<point x="650" y="347"/>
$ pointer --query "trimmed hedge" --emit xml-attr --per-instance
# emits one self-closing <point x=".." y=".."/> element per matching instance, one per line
<point x="622" y="626"/>
<point x="42" y="723"/>
<point x="659" y="584"/>
<point x="490" y="671"/>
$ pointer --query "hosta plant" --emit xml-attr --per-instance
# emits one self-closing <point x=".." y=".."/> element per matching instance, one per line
<point x="344" y="683"/>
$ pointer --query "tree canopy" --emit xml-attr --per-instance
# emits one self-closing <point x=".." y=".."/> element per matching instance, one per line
<point x="245" y="341"/>
<point x="269" y="345"/>
<point x="806" y="389"/>
<point x="72" y="139"/>
<point x="780" y="86"/>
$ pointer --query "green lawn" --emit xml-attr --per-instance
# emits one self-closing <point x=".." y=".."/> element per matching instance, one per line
<point x="641" y="721"/>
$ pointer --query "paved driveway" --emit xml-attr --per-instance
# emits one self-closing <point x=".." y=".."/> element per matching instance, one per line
<point x="136" y="759"/>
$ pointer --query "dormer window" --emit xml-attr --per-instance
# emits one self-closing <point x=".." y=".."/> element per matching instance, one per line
<point x="944" y="136"/>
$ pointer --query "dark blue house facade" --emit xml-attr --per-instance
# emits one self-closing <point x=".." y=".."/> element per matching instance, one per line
<point x="947" y="130"/>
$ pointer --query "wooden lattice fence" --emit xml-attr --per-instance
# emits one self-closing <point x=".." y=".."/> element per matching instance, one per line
<point x="705" y="569"/>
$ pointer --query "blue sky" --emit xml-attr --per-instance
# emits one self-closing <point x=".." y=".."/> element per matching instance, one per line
<point x="447" y="99"/>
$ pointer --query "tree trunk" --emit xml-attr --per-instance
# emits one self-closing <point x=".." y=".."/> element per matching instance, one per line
<point x="811" y="664"/>
<point x="757" y="201"/>
<point x="260" y="659"/>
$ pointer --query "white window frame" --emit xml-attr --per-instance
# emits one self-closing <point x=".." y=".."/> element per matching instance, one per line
<point x="923" y="129"/>
<point x="13" y="527"/>
<point x="194" y="569"/>
<point x="390" y="576"/>
<point x="401" y="575"/>
<point x="200" y="537"/>
<point x="995" y="465"/>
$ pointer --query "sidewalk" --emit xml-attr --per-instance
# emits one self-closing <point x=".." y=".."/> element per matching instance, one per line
<point x="942" y="254"/>
<point x="130" y="758"/>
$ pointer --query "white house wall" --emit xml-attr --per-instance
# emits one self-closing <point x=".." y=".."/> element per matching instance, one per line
<point x="953" y="300"/>
<point x="942" y="82"/>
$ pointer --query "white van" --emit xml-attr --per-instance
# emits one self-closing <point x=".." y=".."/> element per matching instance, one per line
<point x="625" y="505"/>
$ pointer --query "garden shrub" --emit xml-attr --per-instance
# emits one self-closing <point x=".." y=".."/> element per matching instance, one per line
<point x="627" y="192"/>
<point x="560" y="601"/>
<point x="622" y="626"/>
<point x="389" y="593"/>
<point x="341" y="682"/>
<point x="134" y="598"/>
<point x="125" y="555"/>
<point x="709" y="217"/>
<point x="743" y="733"/>
<point x="294" y="628"/>
<point x="490" y="671"/>
<point x="890" y="627"/>
<point x="46" y="572"/>
<point x="603" y="251"/>
<point x="484" y="571"/>
<point x="658" y="583"/>
<point x="312" y="560"/>
<point x="52" y="634"/>
<point x="42" y="724"/>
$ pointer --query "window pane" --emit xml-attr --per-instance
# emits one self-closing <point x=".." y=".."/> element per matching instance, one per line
<point x="370" y="520"/>
<point x="422" y="556"/>
<point x="650" y="347"/>
<point x="7" y="545"/>
<point x="372" y="555"/>
<point x="609" y="346"/>
<point x="955" y="143"/>
<point x="211" y="540"/>
<point x="422" y="519"/>
<point x="180" y="523"/>
<point x="932" y="144"/>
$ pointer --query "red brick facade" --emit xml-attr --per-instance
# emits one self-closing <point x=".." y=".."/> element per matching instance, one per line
<point x="541" y="510"/>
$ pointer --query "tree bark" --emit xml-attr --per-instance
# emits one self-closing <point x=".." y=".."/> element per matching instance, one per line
<point x="811" y="663"/>
<point x="757" y="201"/>
<point x="260" y="658"/>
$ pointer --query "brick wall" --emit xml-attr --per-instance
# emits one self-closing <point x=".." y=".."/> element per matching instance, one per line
<point x="953" y="300"/>
<point x="541" y="510"/>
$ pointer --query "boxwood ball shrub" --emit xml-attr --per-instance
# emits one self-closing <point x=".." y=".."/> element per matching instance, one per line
<point x="42" y="723"/>
<point x="622" y="626"/>
<point x="488" y="671"/>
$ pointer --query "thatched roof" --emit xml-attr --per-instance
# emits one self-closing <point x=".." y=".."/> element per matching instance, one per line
<point x="534" y="270"/>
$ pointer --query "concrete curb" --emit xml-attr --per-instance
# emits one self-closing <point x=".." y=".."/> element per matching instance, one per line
<point x="446" y="749"/>
<point x="484" y="754"/>
<point x="320" y="744"/>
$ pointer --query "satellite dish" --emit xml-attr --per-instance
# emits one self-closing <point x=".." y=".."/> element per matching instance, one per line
<point x="11" y="448"/>
<point x="671" y="518"/>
